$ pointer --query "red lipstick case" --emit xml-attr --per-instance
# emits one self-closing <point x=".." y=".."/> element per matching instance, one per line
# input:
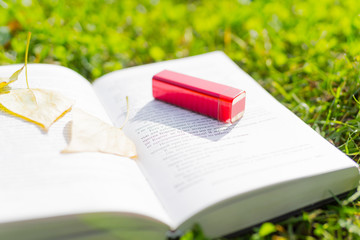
<point x="224" y="103"/>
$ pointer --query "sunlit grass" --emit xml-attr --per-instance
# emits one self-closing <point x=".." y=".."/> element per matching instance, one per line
<point x="305" y="53"/>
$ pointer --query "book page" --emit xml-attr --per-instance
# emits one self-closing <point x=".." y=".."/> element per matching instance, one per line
<point x="37" y="181"/>
<point x="193" y="161"/>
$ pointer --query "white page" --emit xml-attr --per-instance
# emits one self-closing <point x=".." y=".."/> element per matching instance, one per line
<point x="193" y="161"/>
<point x="37" y="181"/>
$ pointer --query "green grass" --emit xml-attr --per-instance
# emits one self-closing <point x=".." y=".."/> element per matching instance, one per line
<point x="306" y="53"/>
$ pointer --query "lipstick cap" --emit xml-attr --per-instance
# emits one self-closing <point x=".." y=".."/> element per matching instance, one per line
<point x="224" y="103"/>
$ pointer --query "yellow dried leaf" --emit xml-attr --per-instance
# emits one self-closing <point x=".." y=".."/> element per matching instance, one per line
<point x="4" y="81"/>
<point x="40" y="106"/>
<point x="90" y="134"/>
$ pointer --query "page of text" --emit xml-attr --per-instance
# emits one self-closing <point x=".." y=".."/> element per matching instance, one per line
<point x="193" y="161"/>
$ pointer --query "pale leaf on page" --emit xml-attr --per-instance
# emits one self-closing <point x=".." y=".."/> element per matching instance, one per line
<point x="40" y="106"/>
<point x="90" y="134"/>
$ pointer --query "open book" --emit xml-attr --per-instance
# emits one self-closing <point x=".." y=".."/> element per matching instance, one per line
<point x="190" y="168"/>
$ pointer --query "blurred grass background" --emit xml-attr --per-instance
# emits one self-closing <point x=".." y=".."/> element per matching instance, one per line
<point x="306" y="53"/>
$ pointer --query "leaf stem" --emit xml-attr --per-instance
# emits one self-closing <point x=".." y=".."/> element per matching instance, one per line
<point x="127" y="112"/>
<point x="26" y="56"/>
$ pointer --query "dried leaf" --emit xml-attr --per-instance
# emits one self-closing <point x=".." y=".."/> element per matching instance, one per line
<point x="40" y="106"/>
<point x="5" y="81"/>
<point x="90" y="134"/>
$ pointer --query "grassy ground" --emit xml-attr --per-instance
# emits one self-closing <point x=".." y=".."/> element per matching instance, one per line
<point x="305" y="52"/>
